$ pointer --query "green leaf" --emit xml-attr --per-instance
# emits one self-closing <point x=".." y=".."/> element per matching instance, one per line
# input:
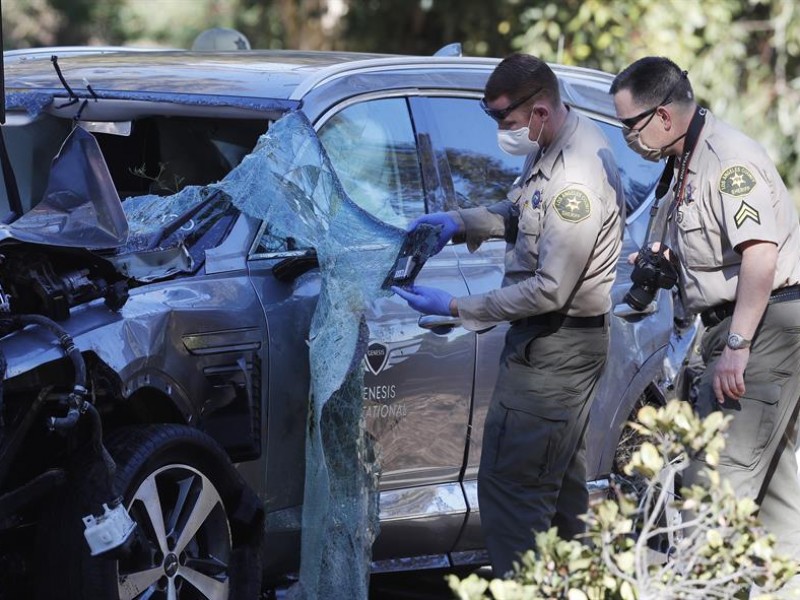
<point x="647" y="416"/>
<point x="714" y="538"/>
<point x="625" y="561"/>
<point x="626" y="591"/>
<point x="651" y="458"/>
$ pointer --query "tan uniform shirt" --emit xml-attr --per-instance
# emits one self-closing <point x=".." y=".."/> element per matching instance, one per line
<point x="733" y="195"/>
<point x="570" y="204"/>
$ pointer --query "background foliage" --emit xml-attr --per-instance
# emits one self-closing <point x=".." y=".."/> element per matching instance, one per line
<point x="742" y="55"/>
<point x="718" y="550"/>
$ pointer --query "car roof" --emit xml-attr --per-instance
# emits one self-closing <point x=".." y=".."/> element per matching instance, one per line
<point x="256" y="74"/>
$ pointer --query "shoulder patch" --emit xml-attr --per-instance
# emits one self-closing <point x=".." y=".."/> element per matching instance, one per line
<point x="737" y="181"/>
<point x="746" y="212"/>
<point x="572" y="205"/>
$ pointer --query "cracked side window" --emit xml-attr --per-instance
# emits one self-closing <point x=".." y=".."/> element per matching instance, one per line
<point x="373" y="151"/>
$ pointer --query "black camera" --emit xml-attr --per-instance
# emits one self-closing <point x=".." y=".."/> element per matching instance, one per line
<point x="651" y="271"/>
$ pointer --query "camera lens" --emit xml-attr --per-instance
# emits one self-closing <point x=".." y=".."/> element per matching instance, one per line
<point x="639" y="297"/>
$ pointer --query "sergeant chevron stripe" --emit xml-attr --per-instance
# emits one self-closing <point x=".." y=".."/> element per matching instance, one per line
<point x="746" y="212"/>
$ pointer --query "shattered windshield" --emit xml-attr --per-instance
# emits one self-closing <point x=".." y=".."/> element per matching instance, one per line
<point x="187" y="218"/>
<point x="289" y="182"/>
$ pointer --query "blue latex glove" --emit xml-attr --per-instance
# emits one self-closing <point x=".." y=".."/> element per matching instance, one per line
<point x="448" y="225"/>
<point x="427" y="300"/>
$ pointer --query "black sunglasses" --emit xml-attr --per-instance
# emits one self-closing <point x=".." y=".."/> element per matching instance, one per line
<point x="631" y="122"/>
<point x="498" y="114"/>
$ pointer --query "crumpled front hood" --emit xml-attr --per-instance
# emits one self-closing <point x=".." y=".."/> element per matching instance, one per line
<point x="80" y="207"/>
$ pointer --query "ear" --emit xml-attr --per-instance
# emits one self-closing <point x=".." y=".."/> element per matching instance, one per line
<point x="666" y="117"/>
<point x="541" y="110"/>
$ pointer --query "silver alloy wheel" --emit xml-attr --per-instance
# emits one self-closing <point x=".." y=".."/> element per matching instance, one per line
<point x="183" y="539"/>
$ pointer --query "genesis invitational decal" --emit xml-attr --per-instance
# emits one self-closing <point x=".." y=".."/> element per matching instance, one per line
<point x="382" y="357"/>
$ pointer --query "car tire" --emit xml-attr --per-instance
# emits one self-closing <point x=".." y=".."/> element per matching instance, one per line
<point x="191" y="548"/>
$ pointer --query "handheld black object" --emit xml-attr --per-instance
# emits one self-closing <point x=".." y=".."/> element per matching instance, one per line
<point x="651" y="271"/>
<point x="418" y="246"/>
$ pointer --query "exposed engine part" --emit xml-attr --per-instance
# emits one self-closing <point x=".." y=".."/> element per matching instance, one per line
<point x="76" y="402"/>
<point x="97" y="443"/>
<point x="36" y="488"/>
<point x="9" y="446"/>
<point x="5" y="301"/>
<point x="12" y="322"/>
<point x="76" y="406"/>
<point x="50" y="285"/>
<point x="3" y="366"/>
<point x="108" y="531"/>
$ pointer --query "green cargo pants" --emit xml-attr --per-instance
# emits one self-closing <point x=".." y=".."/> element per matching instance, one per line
<point x="759" y="455"/>
<point x="533" y="465"/>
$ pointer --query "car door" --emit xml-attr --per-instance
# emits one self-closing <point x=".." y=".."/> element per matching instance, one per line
<point x="481" y="174"/>
<point x="417" y="382"/>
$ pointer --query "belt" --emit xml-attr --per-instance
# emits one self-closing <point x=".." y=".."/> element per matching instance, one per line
<point x="556" y="320"/>
<point x="720" y="312"/>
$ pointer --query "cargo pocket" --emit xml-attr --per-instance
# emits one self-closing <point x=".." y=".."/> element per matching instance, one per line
<point x="528" y="441"/>
<point x="753" y="425"/>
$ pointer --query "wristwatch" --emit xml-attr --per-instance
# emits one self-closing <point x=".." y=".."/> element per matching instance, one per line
<point x="737" y="342"/>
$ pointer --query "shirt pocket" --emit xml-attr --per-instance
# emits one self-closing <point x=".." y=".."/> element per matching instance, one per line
<point x="697" y="249"/>
<point x="527" y="246"/>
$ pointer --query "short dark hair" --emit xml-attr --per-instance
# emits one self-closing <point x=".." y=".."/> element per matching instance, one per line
<point x="520" y="75"/>
<point x="652" y="79"/>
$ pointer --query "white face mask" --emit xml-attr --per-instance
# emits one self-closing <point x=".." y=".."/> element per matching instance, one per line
<point x="635" y="143"/>
<point x="517" y="142"/>
<point x="633" y="139"/>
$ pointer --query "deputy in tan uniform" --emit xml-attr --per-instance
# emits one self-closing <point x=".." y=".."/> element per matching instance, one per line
<point x="563" y="224"/>
<point x="734" y="229"/>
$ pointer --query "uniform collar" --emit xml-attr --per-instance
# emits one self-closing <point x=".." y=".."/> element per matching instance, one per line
<point x="548" y="156"/>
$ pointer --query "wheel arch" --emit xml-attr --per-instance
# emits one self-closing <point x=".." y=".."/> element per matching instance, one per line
<point x="645" y="383"/>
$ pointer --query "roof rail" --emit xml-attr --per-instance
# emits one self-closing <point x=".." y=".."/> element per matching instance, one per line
<point x="393" y="62"/>
<point x="450" y="50"/>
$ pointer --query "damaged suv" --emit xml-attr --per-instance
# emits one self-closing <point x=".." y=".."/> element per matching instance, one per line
<point x="171" y="336"/>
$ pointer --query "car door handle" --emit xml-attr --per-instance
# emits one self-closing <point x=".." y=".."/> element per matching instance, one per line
<point x="624" y="311"/>
<point x="439" y="324"/>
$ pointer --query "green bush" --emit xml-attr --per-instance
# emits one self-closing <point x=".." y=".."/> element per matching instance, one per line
<point x="720" y="549"/>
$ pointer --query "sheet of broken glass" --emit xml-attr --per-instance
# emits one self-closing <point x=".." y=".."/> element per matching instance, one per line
<point x="165" y="221"/>
<point x="288" y="181"/>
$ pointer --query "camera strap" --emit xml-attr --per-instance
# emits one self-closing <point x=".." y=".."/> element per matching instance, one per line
<point x="661" y="191"/>
<point x="692" y="135"/>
